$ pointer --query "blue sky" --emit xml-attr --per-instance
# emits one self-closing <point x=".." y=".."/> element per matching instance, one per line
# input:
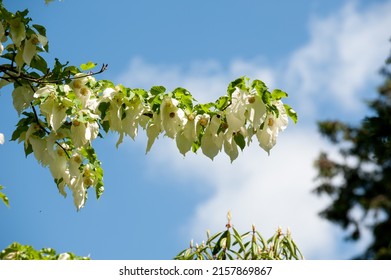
<point x="325" y="54"/>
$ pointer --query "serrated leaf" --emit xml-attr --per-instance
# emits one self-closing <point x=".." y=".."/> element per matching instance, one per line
<point x="87" y="66"/>
<point x="222" y="102"/>
<point x="259" y="86"/>
<point x="277" y="94"/>
<point x="156" y="90"/>
<point x="184" y="97"/>
<point x="240" y="83"/>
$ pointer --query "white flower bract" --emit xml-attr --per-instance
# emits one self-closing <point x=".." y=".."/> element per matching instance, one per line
<point x="267" y="136"/>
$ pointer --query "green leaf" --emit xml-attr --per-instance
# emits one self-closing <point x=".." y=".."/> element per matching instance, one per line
<point x="228" y="240"/>
<point x="105" y="125"/>
<point x="41" y="29"/>
<point x="3" y="197"/>
<point x="254" y="250"/>
<point x="103" y="107"/>
<point x="71" y="70"/>
<point x="156" y="90"/>
<point x="213" y="237"/>
<point x="28" y="150"/>
<point x="259" y="86"/>
<point x="184" y="97"/>
<point x="240" y="141"/>
<point x="277" y="94"/>
<point x="22" y="126"/>
<point x="222" y="103"/>
<point x="87" y="66"/>
<point x="240" y="83"/>
<point x="291" y="113"/>
<point x="99" y="189"/>
<point x="204" y="108"/>
<point x="221" y="242"/>
<point x="39" y="63"/>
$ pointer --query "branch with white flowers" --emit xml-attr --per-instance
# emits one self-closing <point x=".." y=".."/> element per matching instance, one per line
<point x="65" y="108"/>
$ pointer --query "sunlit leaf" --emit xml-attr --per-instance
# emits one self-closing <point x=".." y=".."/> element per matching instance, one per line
<point x="87" y="66"/>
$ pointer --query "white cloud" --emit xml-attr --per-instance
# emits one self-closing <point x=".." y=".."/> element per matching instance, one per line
<point x="341" y="58"/>
<point x="344" y="54"/>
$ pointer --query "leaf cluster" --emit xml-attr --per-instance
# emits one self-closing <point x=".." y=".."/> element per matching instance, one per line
<point x="251" y="245"/>
<point x="17" y="251"/>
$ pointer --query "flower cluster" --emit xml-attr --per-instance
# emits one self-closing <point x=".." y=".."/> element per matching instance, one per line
<point x="65" y="109"/>
<point x="62" y="139"/>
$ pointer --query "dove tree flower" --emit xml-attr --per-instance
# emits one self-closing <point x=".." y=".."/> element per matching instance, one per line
<point x="212" y="140"/>
<point x="63" y="109"/>
<point x="267" y="135"/>
<point x="31" y="45"/>
<point x="173" y="118"/>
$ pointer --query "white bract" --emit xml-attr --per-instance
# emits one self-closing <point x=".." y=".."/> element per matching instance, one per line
<point x="83" y="132"/>
<point x="81" y="87"/>
<point x="186" y="137"/>
<point x="235" y="112"/>
<point x="2" y="37"/>
<point x="172" y="117"/>
<point x="63" y="111"/>
<point x="22" y="97"/>
<point x="267" y="136"/>
<point x="153" y="130"/>
<point x="212" y="140"/>
<point x="17" y="31"/>
<point x="30" y="47"/>
<point x="133" y="117"/>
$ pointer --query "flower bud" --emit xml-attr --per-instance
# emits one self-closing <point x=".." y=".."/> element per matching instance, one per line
<point x="84" y="91"/>
<point x="203" y="121"/>
<point x="88" y="181"/>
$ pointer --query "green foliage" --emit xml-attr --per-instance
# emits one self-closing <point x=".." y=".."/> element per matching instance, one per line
<point x="3" y="197"/>
<point x="17" y="251"/>
<point x="362" y="179"/>
<point x="231" y="245"/>
<point x="64" y="108"/>
<point x="87" y="66"/>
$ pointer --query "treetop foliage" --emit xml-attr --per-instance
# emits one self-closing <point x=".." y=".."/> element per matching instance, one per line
<point x="362" y="179"/>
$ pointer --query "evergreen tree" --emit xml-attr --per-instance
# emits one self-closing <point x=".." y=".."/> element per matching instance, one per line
<point x="363" y="178"/>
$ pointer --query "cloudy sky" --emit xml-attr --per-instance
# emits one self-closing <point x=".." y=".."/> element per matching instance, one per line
<point x="325" y="54"/>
